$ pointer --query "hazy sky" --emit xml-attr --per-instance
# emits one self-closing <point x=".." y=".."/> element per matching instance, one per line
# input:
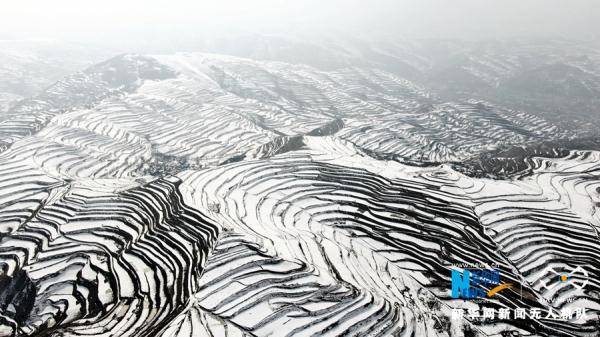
<point x="132" y="21"/>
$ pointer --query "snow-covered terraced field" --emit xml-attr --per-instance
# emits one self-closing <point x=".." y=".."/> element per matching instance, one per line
<point x="207" y="195"/>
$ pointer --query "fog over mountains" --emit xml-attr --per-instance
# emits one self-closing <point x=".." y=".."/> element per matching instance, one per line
<point x="305" y="183"/>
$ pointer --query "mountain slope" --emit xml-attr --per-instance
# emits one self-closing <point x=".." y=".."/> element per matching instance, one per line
<point x="202" y="194"/>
